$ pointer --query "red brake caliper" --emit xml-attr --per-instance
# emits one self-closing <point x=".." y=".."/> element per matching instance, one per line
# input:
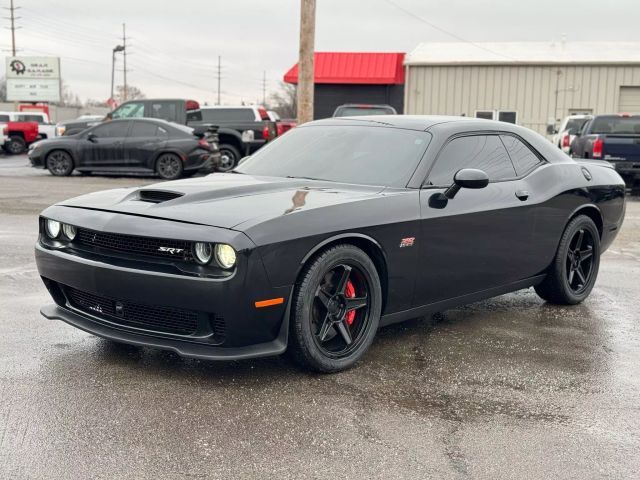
<point x="350" y="292"/>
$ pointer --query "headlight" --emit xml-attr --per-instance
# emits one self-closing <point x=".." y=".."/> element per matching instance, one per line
<point x="69" y="231"/>
<point x="225" y="255"/>
<point x="202" y="252"/>
<point x="52" y="227"/>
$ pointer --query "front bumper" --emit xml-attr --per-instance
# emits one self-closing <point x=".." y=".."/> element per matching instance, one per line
<point x="36" y="159"/>
<point x="247" y="331"/>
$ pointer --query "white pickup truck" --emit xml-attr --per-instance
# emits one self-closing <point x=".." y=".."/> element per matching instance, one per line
<point x="46" y="129"/>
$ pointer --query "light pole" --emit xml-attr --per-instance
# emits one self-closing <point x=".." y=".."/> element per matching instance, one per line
<point x="117" y="48"/>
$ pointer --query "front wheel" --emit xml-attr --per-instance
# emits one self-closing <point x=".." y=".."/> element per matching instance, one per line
<point x="169" y="166"/>
<point x="59" y="163"/>
<point x="335" y="310"/>
<point x="16" y="145"/>
<point x="573" y="272"/>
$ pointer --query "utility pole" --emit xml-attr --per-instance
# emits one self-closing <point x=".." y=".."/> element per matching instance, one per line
<point x="218" y="77"/>
<point x="264" y="87"/>
<point x="124" y="56"/>
<point x="13" y="18"/>
<point x="305" y="61"/>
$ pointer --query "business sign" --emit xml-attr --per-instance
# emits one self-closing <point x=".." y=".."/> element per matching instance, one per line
<point x="33" y="79"/>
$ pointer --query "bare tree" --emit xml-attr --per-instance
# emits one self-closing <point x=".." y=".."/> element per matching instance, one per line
<point x="284" y="101"/>
<point x="133" y="93"/>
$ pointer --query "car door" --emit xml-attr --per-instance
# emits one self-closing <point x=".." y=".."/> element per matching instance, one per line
<point x="104" y="144"/>
<point x="141" y="144"/>
<point x="480" y="239"/>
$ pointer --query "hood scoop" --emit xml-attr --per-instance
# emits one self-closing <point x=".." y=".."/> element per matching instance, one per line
<point x="157" y="196"/>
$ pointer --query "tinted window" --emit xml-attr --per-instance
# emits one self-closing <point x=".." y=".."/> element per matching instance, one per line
<point x="4" y="118"/>
<point x="225" y="115"/>
<point x="521" y="155"/>
<point x="623" y="125"/>
<point x="486" y="153"/>
<point x="111" y="129"/>
<point x="349" y="154"/>
<point x="487" y="115"/>
<point x="143" y="129"/>
<point x="164" y="110"/>
<point x="129" y="110"/>
<point x="30" y="118"/>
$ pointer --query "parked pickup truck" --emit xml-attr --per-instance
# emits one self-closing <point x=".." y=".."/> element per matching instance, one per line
<point x="614" y="138"/>
<point x="46" y="129"/>
<point x="19" y="134"/>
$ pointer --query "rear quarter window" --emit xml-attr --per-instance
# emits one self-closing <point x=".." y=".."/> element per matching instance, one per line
<point x="521" y="155"/>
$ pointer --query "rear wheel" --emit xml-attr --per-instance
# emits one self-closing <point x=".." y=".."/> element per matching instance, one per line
<point x="59" y="163"/>
<point x="575" y="267"/>
<point x="229" y="157"/>
<point x="169" y="166"/>
<point x="15" y="145"/>
<point x="335" y="310"/>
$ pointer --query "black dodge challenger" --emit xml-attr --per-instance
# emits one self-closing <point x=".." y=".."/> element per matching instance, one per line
<point x="337" y="228"/>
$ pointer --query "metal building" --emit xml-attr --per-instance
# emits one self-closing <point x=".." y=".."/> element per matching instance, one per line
<point x="531" y="84"/>
<point x="354" y="77"/>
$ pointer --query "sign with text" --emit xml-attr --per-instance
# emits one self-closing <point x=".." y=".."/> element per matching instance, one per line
<point x="33" y="79"/>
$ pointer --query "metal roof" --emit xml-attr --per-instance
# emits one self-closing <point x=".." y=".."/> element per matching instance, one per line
<point x="354" y="68"/>
<point x="524" y="53"/>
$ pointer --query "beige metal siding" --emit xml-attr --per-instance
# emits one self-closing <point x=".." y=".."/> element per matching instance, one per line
<point x="629" y="99"/>
<point x="527" y="89"/>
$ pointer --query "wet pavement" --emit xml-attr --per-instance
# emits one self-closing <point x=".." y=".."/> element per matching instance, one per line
<point x="507" y="388"/>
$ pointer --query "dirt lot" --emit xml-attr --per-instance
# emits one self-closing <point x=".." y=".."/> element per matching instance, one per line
<point x="507" y="388"/>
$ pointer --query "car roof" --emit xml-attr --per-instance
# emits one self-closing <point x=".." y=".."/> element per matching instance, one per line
<point x="411" y="122"/>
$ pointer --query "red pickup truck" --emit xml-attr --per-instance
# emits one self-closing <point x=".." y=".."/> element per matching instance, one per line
<point x="19" y="135"/>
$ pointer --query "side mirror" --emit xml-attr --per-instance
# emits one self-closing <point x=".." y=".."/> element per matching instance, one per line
<point x="108" y="116"/>
<point x="91" y="137"/>
<point x="551" y="129"/>
<point x="467" y="178"/>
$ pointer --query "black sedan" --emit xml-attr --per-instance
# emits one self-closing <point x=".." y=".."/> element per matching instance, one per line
<point x="333" y="230"/>
<point x="126" y="146"/>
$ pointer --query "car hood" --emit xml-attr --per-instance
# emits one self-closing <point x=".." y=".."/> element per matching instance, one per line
<point x="224" y="200"/>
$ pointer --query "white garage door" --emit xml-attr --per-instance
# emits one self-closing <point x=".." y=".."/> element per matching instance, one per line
<point x="629" y="99"/>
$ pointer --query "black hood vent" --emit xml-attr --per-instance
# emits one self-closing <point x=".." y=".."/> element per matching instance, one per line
<point x="157" y="196"/>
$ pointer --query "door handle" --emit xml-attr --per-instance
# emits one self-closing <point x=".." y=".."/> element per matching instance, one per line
<point x="522" y="195"/>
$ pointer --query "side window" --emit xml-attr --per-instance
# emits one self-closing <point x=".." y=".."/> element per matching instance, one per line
<point x="129" y="110"/>
<point x="163" y="110"/>
<point x="4" y="118"/>
<point x="143" y="129"/>
<point x="521" y="155"/>
<point x="111" y="130"/>
<point x="484" y="152"/>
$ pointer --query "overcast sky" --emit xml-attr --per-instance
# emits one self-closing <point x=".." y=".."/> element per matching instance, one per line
<point x="174" y="45"/>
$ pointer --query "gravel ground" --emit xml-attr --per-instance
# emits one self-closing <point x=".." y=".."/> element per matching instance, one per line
<point x="506" y="388"/>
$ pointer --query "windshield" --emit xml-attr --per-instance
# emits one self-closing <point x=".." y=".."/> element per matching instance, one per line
<point x="574" y="125"/>
<point x="619" y="125"/>
<point x="359" y="111"/>
<point x="349" y="154"/>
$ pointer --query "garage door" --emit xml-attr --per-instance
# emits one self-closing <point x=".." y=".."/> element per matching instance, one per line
<point x="629" y="99"/>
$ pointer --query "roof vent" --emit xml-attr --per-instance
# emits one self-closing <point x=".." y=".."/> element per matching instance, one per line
<point x="157" y="196"/>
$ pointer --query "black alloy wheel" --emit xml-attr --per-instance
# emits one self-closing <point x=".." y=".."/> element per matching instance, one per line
<point x="574" y="270"/>
<point x="169" y="166"/>
<point x="341" y="311"/>
<point x="335" y="309"/>
<point x="580" y="260"/>
<point x="59" y="163"/>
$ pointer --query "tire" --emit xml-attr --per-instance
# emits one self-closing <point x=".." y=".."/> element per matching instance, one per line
<point x="325" y="334"/>
<point x="572" y="275"/>
<point x="16" y="145"/>
<point x="229" y="158"/>
<point x="59" y="163"/>
<point x="169" y="166"/>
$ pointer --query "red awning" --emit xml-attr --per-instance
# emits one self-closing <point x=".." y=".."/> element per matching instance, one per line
<point x="351" y="67"/>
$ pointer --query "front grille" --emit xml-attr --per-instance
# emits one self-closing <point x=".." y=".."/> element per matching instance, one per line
<point x="154" y="247"/>
<point x="158" y="319"/>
